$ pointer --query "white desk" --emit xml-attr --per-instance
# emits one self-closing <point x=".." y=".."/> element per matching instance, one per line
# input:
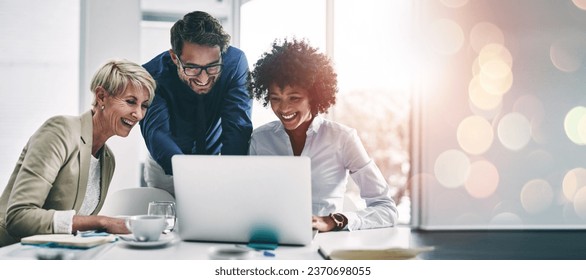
<point x="179" y="250"/>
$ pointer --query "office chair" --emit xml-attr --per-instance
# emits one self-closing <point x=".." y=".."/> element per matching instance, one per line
<point x="133" y="201"/>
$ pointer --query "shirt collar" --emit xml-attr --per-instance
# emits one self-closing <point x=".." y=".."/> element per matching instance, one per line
<point x="315" y="124"/>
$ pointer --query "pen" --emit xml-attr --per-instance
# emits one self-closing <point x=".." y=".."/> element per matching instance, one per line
<point x="265" y="253"/>
<point x="90" y="233"/>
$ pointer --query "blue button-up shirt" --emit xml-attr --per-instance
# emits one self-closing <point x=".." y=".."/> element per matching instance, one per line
<point x="169" y="126"/>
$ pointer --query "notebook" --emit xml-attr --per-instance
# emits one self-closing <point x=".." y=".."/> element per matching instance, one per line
<point x="243" y="199"/>
<point x="67" y="240"/>
<point x="372" y="245"/>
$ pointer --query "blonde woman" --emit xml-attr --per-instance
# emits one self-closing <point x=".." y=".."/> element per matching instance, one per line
<point x="62" y="176"/>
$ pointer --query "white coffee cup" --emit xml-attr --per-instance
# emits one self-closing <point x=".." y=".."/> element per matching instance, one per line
<point x="146" y="228"/>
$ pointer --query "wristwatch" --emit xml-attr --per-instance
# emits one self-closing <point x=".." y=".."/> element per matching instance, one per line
<point x="340" y="220"/>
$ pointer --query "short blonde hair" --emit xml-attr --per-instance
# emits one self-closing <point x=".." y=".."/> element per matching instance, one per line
<point x="116" y="74"/>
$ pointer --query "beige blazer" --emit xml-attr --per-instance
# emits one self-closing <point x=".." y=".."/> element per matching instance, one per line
<point x="51" y="174"/>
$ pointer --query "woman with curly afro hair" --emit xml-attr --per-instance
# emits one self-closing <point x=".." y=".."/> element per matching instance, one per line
<point x="299" y="83"/>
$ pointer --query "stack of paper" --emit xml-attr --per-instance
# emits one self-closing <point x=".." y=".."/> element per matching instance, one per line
<point x="372" y="254"/>
<point x="67" y="240"/>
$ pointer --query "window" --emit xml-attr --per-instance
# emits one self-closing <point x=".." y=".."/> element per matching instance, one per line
<point x="263" y="21"/>
<point x="503" y="116"/>
<point x="370" y="51"/>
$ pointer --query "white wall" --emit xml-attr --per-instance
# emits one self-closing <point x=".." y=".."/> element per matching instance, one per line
<point x="39" y="68"/>
<point x="50" y="49"/>
<point x="227" y="11"/>
<point x="111" y="29"/>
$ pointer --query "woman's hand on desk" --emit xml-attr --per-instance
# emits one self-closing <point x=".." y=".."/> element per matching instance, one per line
<point x="107" y="224"/>
<point x="115" y="225"/>
<point x="323" y="223"/>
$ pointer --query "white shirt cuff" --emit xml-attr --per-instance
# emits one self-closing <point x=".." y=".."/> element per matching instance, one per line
<point x="354" y="222"/>
<point x="63" y="221"/>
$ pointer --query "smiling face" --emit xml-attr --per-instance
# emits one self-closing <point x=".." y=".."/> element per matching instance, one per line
<point x="123" y="111"/>
<point x="291" y="105"/>
<point x="195" y="55"/>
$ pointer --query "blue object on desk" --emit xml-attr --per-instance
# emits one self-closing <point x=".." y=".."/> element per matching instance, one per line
<point x="265" y="253"/>
<point x="263" y="238"/>
<point x="91" y="233"/>
<point x="268" y="254"/>
<point x="56" y="245"/>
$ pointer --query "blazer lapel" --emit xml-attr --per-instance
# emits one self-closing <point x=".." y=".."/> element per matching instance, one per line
<point x="107" y="169"/>
<point x="85" y="149"/>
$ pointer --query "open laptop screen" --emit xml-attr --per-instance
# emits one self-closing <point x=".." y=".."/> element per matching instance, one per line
<point x="243" y="198"/>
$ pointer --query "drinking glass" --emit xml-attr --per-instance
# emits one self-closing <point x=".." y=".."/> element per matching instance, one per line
<point x="165" y="209"/>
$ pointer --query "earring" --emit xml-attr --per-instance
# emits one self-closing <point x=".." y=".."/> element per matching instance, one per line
<point x="102" y="108"/>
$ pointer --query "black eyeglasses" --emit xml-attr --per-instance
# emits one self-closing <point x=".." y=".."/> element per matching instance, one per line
<point x="195" y="70"/>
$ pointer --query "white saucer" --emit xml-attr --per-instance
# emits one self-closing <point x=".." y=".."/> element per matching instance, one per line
<point x="164" y="240"/>
<point x="229" y="253"/>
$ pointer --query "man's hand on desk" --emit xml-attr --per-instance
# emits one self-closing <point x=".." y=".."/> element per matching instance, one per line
<point x="323" y="223"/>
<point x="335" y="221"/>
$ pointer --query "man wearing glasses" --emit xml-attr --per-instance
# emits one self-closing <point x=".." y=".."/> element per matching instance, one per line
<point x="201" y="105"/>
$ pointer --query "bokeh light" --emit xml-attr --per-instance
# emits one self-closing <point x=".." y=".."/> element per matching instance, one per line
<point x="493" y="67"/>
<point x="575" y="125"/>
<point x="582" y="129"/>
<point x="492" y="77"/>
<point x="445" y="37"/>
<point x="483" y="179"/>
<point x="532" y="108"/>
<point x="485" y="33"/>
<point x="454" y="3"/>
<point x="475" y="135"/>
<point x="536" y="196"/>
<point x="573" y="180"/>
<point x="580" y="202"/>
<point x="451" y="168"/>
<point x="482" y="99"/>
<point x="508" y="131"/>
<point x="495" y="77"/>
<point x="567" y="53"/>
<point x="495" y="51"/>
<point x="514" y="131"/>
<point x="580" y="4"/>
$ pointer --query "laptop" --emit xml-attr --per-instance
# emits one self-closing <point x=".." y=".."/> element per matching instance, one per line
<point x="243" y="199"/>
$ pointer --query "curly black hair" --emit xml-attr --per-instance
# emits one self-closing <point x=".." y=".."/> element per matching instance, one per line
<point x="295" y="63"/>
<point x="200" y="28"/>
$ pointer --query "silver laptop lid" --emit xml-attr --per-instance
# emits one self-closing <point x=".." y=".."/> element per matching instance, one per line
<point x="243" y="198"/>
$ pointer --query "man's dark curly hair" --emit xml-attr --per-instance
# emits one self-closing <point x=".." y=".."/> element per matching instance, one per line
<point x="200" y="28"/>
<point x="295" y="63"/>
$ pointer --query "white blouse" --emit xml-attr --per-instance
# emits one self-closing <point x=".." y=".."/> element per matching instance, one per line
<point x="335" y="151"/>
<point x="63" y="220"/>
